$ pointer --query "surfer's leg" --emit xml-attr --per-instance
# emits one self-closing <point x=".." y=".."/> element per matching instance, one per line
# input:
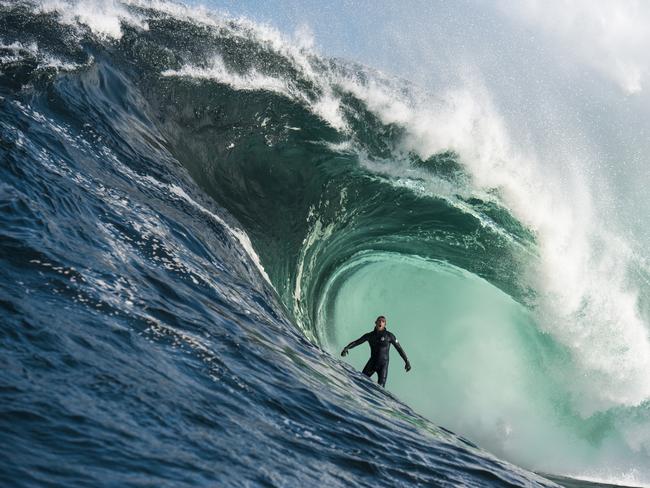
<point x="369" y="368"/>
<point x="382" y="372"/>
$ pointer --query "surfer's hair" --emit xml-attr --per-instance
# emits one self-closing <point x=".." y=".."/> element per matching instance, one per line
<point x="380" y="318"/>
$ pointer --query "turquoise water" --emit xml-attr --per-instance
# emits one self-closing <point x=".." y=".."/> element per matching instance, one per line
<point x="475" y="352"/>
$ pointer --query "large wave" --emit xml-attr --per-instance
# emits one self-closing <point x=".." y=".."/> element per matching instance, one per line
<point x="342" y="193"/>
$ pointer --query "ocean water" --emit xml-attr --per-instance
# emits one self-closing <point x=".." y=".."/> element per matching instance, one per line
<point x="197" y="212"/>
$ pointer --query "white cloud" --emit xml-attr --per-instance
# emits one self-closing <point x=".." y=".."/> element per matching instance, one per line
<point x="612" y="37"/>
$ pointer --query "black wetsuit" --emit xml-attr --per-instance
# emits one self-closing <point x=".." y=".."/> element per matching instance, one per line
<point x="379" y="345"/>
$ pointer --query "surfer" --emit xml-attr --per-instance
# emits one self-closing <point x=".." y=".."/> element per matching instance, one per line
<point x="380" y="340"/>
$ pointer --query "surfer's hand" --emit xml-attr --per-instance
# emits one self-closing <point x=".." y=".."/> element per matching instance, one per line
<point x="407" y="366"/>
<point x="344" y="352"/>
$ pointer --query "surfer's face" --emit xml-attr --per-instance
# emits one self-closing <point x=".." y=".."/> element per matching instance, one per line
<point x="381" y="324"/>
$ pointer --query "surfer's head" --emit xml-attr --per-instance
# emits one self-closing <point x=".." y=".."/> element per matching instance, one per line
<point x="380" y="322"/>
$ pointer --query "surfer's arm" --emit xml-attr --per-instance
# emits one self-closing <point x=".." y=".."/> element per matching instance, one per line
<point x="352" y="344"/>
<point x="401" y="352"/>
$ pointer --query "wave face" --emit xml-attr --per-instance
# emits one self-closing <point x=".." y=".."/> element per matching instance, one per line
<point x="199" y="212"/>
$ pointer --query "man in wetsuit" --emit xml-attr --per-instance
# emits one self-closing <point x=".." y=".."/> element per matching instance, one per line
<point x="380" y="340"/>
